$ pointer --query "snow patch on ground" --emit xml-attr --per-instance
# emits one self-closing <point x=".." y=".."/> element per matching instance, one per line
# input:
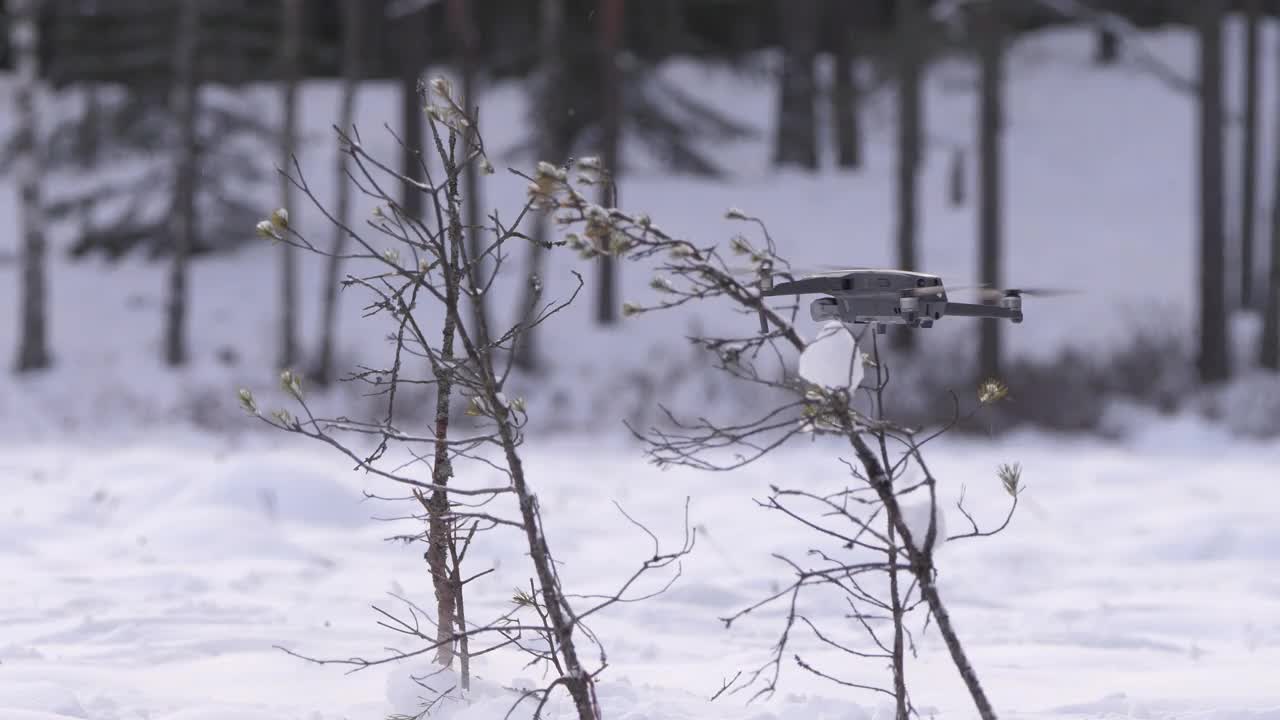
<point x="1142" y="570"/>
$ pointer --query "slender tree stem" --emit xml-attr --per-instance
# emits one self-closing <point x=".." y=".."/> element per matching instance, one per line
<point x="1249" y="153"/>
<point x="352" y="30"/>
<point x="33" y="343"/>
<point x="1214" y="357"/>
<point x="290" y="54"/>
<point x="186" y="94"/>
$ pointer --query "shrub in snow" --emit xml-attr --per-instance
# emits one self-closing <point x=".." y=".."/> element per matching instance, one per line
<point x="875" y="535"/>
<point x="420" y="276"/>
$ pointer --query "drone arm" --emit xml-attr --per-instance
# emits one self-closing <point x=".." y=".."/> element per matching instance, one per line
<point x="974" y="310"/>
<point x="805" y="286"/>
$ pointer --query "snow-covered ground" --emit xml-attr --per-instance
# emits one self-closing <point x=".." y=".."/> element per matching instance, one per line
<point x="150" y="559"/>
<point x="151" y="581"/>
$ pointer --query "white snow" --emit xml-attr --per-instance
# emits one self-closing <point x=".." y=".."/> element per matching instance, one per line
<point x="159" y="579"/>
<point x="152" y="556"/>
<point x="917" y="514"/>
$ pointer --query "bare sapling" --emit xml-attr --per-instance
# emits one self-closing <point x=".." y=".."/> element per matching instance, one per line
<point x="422" y="273"/>
<point x="865" y="535"/>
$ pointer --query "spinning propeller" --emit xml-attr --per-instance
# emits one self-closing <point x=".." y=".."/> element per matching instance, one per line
<point x="988" y="293"/>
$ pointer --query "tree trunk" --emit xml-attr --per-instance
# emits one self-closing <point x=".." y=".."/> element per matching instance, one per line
<point x="844" y="91"/>
<point x="33" y="343"/>
<point x="897" y="611"/>
<point x="290" y="55"/>
<point x="352" y="36"/>
<point x="611" y="131"/>
<point x="411" y="35"/>
<point x="671" y="38"/>
<point x="456" y="581"/>
<point x="1106" y="48"/>
<point x="1249" y="152"/>
<point x="920" y="556"/>
<point x="89" y="142"/>
<point x="909" y="142"/>
<point x="185" y="99"/>
<point x="549" y="24"/>
<point x="956" y="179"/>
<point x="562" y="623"/>
<point x="796" y="141"/>
<point x="1214" y="359"/>
<point x="439" y="527"/>
<point x="578" y="682"/>
<point x="462" y="26"/>
<point x="90" y="130"/>
<point x="526" y="348"/>
<point x="990" y="52"/>
<point x="1269" y="355"/>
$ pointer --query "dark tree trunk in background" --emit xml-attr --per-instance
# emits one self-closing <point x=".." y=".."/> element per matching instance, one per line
<point x="411" y="41"/>
<point x="908" y="43"/>
<point x="666" y="27"/>
<point x="551" y="150"/>
<point x="462" y="26"/>
<point x="1214" y="359"/>
<point x="796" y="142"/>
<point x="90" y="130"/>
<point x="352" y="35"/>
<point x="90" y="142"/>
<point x="956" y="178"/>
<point x="1269" y="355"/>
<point x="185" y="99"/>
<point x="290" y="66"/>
<point x="844" y="90"/>
<point x="1249" y="152"/>
<point x="1106" y="49"/>
<point x="990" y="37"/>
<point x="33" y="341"/>
<point x="745" y="32"/>
<point x="611" y="131"/>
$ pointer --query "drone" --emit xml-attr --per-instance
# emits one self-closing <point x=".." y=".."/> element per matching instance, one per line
<point x="879" y="297"/>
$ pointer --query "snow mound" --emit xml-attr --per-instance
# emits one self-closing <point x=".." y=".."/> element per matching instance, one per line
<point x="1250" y="406"/>
<point x="15" y="714"/>
<point x="411" y="687"/>
<point x="36" y="700"/>
<point x="221" y="534"/>
<point x="281" y="492"/>
<point x="916" y="516"/>
<point x="223" y="713"/>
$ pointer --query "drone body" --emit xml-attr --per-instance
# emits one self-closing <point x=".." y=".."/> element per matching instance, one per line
<point x="888" y="297"/>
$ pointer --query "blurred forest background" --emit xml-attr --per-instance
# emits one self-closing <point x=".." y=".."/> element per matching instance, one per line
<point x="174" y="90"/>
